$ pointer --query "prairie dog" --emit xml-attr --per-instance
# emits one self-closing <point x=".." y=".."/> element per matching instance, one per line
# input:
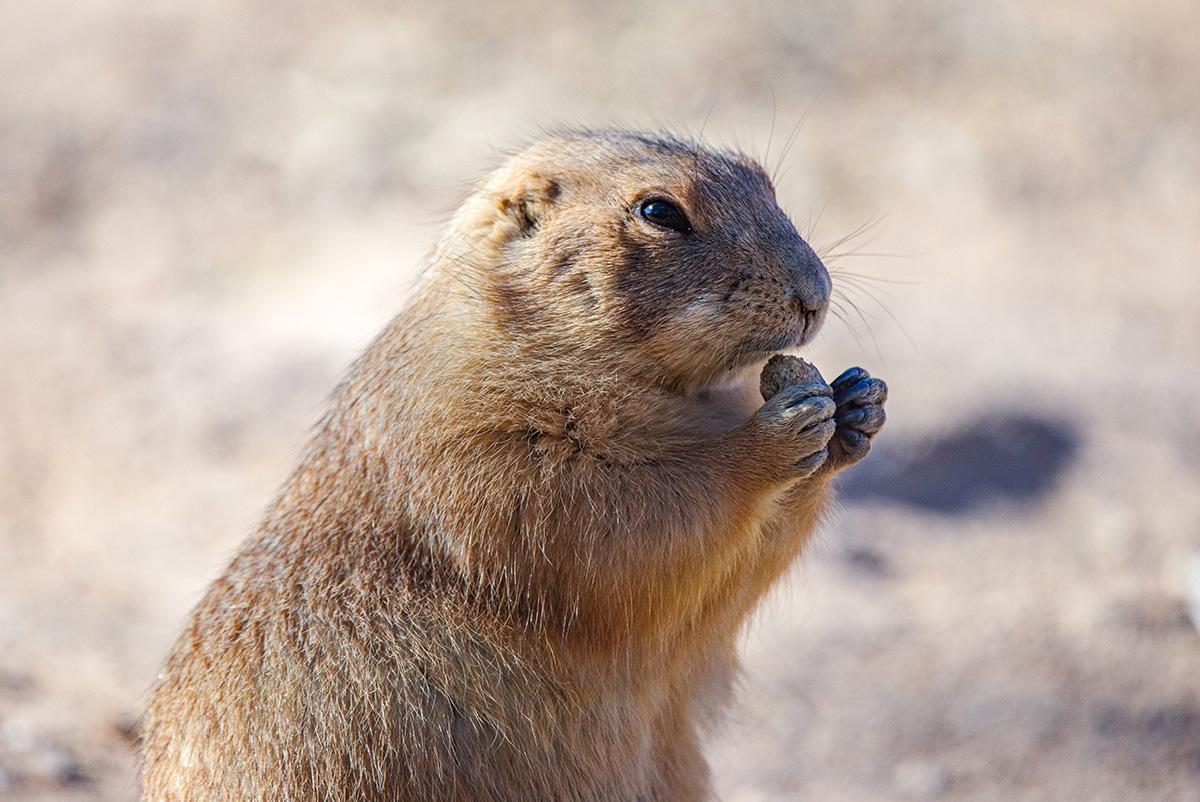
<point x="514" y="558"/>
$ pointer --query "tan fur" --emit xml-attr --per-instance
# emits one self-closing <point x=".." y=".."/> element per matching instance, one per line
<point x="514" y="559"/>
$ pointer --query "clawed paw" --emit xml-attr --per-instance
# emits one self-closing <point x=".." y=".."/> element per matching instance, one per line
<point x="798" y="423"/>
<point x="859" y="416"/>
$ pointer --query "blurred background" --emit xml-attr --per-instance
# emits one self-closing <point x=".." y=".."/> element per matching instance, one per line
<point x="207" y="209"/>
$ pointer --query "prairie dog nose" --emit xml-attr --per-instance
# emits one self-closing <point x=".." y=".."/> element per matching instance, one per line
<point x="811" y="286"/>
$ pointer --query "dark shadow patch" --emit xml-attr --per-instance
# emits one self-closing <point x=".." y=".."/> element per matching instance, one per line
<point x="1168" y="734"/>
<point x="1150" y="615"/>
<point x="866" y="562"/>
<point x="1014" y="457"/>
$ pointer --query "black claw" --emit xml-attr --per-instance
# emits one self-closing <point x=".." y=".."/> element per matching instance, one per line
<point x="813" y="461"/>
<point x="824" y="429"/>
<point x="866" y="391"/>
<point x="853" y="445"/>
<point x="868" y="418"/>
<point x="849" y="377"/>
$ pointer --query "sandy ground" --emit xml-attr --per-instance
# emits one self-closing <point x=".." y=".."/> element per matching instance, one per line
<point x="206" y="209"/>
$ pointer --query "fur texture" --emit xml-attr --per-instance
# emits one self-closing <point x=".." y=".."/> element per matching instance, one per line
<point x="513" y="562"/>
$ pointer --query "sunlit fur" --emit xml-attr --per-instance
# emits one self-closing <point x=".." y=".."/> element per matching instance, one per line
<point x="513" y="561"/>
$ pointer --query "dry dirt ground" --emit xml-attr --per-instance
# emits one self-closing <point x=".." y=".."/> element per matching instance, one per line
<point x="206" y="209"/>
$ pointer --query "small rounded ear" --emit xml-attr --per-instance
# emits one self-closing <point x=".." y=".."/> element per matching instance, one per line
<point x="527" y="202"/>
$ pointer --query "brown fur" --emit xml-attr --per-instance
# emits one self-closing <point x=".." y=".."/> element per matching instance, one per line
<point x="514" y="560"/>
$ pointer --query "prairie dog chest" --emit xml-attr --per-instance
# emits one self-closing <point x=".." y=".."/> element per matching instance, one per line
<point x="726" y="404"/>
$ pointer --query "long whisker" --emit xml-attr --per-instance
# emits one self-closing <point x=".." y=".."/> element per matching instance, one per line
<point x="867" y="277"/>
<point x="867" y="254"/>
<point x="812" y="224"/>
<point x="854" y="284"/>
<point x="868" y="283"/>
<point x="862" y="230"/>
<point x="771" y="136"/>
<point x="707" y="115"/>
<point x="787" y="145"/>
<point x="887" y="311"/>
<point x="866" y="323"/>
<point x="839" y="311"/>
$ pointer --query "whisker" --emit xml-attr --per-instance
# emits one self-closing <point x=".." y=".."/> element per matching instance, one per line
<point x="787" y="145"/>
<point x="871" y="254"/>
<point x="887" y="311"/>
<point x="866" y="323"/>
<point x="841" y="271"/>
<point x="771" y="136"/>
<point x="838" y="311"/>
<point x="812" y="224"/>
<point x="850" y="282"/>
<point x="862" y="230"/>
<point x="707" y="115"/>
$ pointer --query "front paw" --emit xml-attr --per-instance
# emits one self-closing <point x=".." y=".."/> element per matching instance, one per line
<point x="791" y="432"/>
<point x="859" y="416"/>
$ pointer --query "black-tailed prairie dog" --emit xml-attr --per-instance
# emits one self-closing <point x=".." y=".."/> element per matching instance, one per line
<point x="515" y="556"/>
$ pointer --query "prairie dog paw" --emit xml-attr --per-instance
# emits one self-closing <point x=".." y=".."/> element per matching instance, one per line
<point x="859" y="417"/>
<point x="796" y="423"/>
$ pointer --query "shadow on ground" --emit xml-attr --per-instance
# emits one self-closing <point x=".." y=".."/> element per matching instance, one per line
<point x="1008" y="456"/>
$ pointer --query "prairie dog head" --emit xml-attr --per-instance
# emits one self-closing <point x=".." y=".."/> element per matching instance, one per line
<point x="638" y="249"/>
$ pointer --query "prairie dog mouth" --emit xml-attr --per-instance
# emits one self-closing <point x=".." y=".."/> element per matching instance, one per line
<point x="745" y="356"/>
<point x="811" y="325"/>
<point x="755" y="349"/>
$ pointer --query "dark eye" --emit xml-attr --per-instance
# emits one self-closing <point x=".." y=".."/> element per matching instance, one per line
<point x="665" y="214"/>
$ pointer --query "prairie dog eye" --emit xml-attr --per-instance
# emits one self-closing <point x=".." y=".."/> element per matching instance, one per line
<point x="665" y="214"/>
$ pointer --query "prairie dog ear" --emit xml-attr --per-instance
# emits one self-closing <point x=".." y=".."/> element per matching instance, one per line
<point x="525" y="201"/>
